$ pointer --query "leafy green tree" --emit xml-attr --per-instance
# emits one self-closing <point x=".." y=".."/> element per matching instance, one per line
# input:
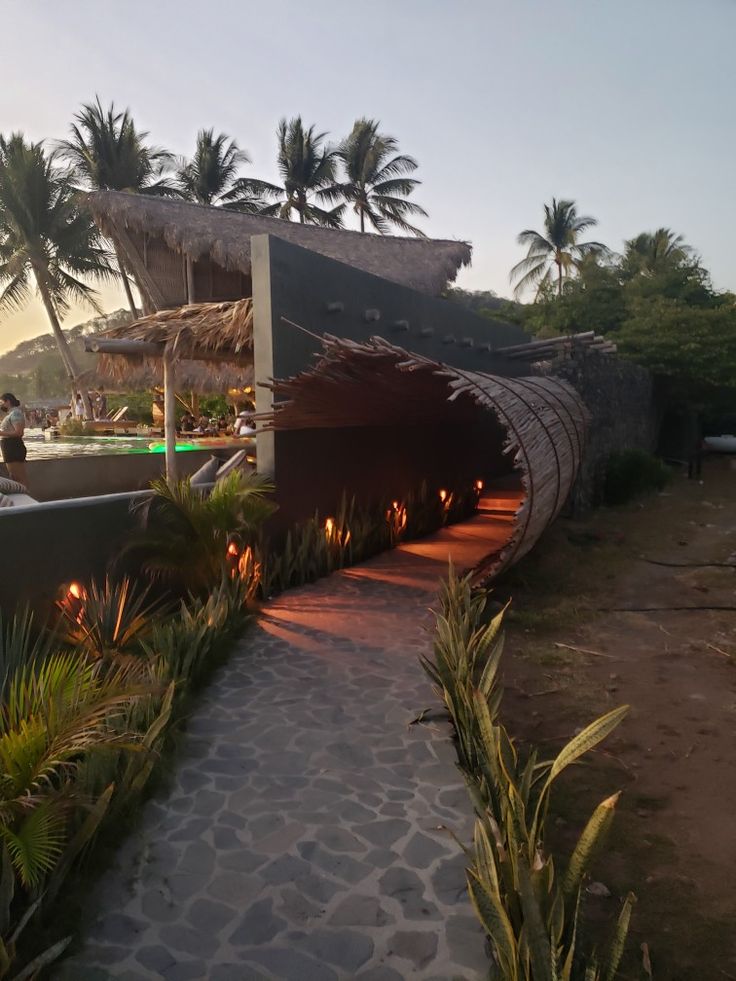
<point x="212" y="176"/>
<point x="376" y="182"/>
<point x="555" y="253"/>
<point x="692" y="347"/>
<point x="307" y="165"/>
<point x="108" y="153"/>
<point x="653" y="252"/>
<point x="46" y="240"/>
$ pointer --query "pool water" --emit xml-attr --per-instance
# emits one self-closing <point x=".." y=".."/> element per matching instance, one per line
<point x="39" y="448"/>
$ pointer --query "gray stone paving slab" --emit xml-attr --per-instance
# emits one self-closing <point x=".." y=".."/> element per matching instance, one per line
<point x="300" y="837"/>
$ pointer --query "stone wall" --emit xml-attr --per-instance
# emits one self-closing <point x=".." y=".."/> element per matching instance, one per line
<point x="624" y="415"/>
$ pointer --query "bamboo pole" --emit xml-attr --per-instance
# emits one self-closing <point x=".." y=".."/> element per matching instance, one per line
<point x="190" y="281"/>
<point x="170" y="414"/>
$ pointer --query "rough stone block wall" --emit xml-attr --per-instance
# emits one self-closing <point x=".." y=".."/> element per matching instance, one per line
<point x="624" y="415"/>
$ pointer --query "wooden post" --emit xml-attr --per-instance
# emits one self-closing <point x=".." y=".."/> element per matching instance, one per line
<point x="190" y="280"/>
<point x="170" y="414"/>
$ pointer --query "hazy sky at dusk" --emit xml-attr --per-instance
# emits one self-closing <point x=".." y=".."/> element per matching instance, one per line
<point x="627" y="106"/>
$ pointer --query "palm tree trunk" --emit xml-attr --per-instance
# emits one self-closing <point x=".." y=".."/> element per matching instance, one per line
<point x="126" y="282"/>
<point x="559" y="276"/>
<point x="62" y="343"/>
<point x="362" y="220"/>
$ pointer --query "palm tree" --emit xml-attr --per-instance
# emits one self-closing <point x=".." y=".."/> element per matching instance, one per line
<point x="558" y="248"/>
<point x="308" y="169"/>
<point x="376" y="178"/>
<point x="211" y="176"/>
<point x="46" y="240"/>
<point x="108" y="153"/>
<point x="651" y="252"/>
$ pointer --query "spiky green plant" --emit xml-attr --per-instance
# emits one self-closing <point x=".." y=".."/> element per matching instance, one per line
<point x="185" y="532"/>
<point x="109" y="621"/>
<point x="531" y="914"/>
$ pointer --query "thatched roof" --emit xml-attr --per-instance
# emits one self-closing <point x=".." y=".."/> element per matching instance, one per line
<point x="423" y="264"/>
<point x="377" y="383"/>
<point x="215" y="328"/>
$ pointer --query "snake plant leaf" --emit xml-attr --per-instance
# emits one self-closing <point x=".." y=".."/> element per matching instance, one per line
<point x="496" y="924"/>
<point x="618" y="942"/>
<point x="589" y="841"/>
<point x="586" y="740"/>
<point x="540" y="951"/>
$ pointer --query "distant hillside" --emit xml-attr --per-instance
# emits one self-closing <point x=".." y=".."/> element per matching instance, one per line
<point x="34" y="370"/>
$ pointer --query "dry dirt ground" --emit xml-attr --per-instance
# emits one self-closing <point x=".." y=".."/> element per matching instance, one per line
<point x="674" y="842"/>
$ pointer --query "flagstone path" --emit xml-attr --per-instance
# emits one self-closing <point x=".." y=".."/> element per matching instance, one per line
<point x="300" y="837"/>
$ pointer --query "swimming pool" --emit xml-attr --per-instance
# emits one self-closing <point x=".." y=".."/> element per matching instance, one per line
<point x="67" y="446"/>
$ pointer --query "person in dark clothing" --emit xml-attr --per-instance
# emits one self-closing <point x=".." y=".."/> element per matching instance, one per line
<point x="12" y="427"/>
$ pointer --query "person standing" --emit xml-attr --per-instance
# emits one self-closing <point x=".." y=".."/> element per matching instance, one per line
<point x="101" y="402"/>
<point x="79" y="407"/>
<point x="12" y="427"/>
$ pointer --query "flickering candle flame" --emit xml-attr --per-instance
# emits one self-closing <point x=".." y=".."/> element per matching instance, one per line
<point x="76" y="591"/>
<point x="232" y="549"/>
<point x="329" y="526"/>
<point x="443" y="496"/>
<point x="479" y="485"/>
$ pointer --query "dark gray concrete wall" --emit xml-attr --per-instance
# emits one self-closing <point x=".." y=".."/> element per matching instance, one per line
<point x="83" y="476"/>
<point x="44" y="547"/>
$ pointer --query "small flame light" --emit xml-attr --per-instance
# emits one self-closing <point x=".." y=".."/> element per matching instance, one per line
<point x="232" y="549"/>
<point x="329" y="527"/>
<point x="479" y="485"/>
<point x="443" y="496"/>
<point x="72" y="603"/>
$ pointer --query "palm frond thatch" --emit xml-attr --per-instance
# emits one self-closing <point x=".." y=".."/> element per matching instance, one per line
<point x="423" y="264"/>
<point x="218" y="328"/>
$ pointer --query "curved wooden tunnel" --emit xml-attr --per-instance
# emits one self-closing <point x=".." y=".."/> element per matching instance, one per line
<point x="543" y="419"/>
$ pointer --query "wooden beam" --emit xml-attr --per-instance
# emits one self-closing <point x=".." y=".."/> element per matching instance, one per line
<point x="101" y="345"/>
<point x="190" y="281"/>
<point x="153" y="349"/>
<point x="170" y="413"/>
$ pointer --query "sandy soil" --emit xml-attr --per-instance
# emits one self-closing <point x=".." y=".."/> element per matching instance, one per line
<point x="674" y="842"/>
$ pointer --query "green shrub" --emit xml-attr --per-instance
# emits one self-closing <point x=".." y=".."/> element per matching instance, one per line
<point x="631" y="473"/>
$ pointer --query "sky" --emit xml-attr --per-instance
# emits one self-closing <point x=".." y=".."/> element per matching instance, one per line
<point x="625" y="106"/>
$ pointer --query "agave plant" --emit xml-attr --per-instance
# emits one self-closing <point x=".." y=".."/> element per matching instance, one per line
<point x="108" y="622"/>
<point x="185" y="533"/>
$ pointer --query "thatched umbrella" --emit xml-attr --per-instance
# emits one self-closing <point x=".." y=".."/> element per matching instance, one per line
<point x="205" y="347"/>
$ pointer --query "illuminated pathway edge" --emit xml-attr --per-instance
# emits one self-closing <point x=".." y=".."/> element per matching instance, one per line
<point x="299" y="837"/>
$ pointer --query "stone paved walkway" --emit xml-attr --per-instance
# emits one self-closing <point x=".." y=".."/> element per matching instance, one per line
<point x="299" y="839"/>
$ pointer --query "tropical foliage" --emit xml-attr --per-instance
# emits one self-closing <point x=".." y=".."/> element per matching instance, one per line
<point x="531" y="913"/>
<point x="553" y="255"/>
<point x="308" y="168"/>
<point x="108" y="153"/>
<point x="377" y="184"/>
<point x="85" y="709"/>
<point x="185" y="533"/>
<point x="212" y="176"/>
<point x="46" y="241"/>
<point x="656" y="301"/>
